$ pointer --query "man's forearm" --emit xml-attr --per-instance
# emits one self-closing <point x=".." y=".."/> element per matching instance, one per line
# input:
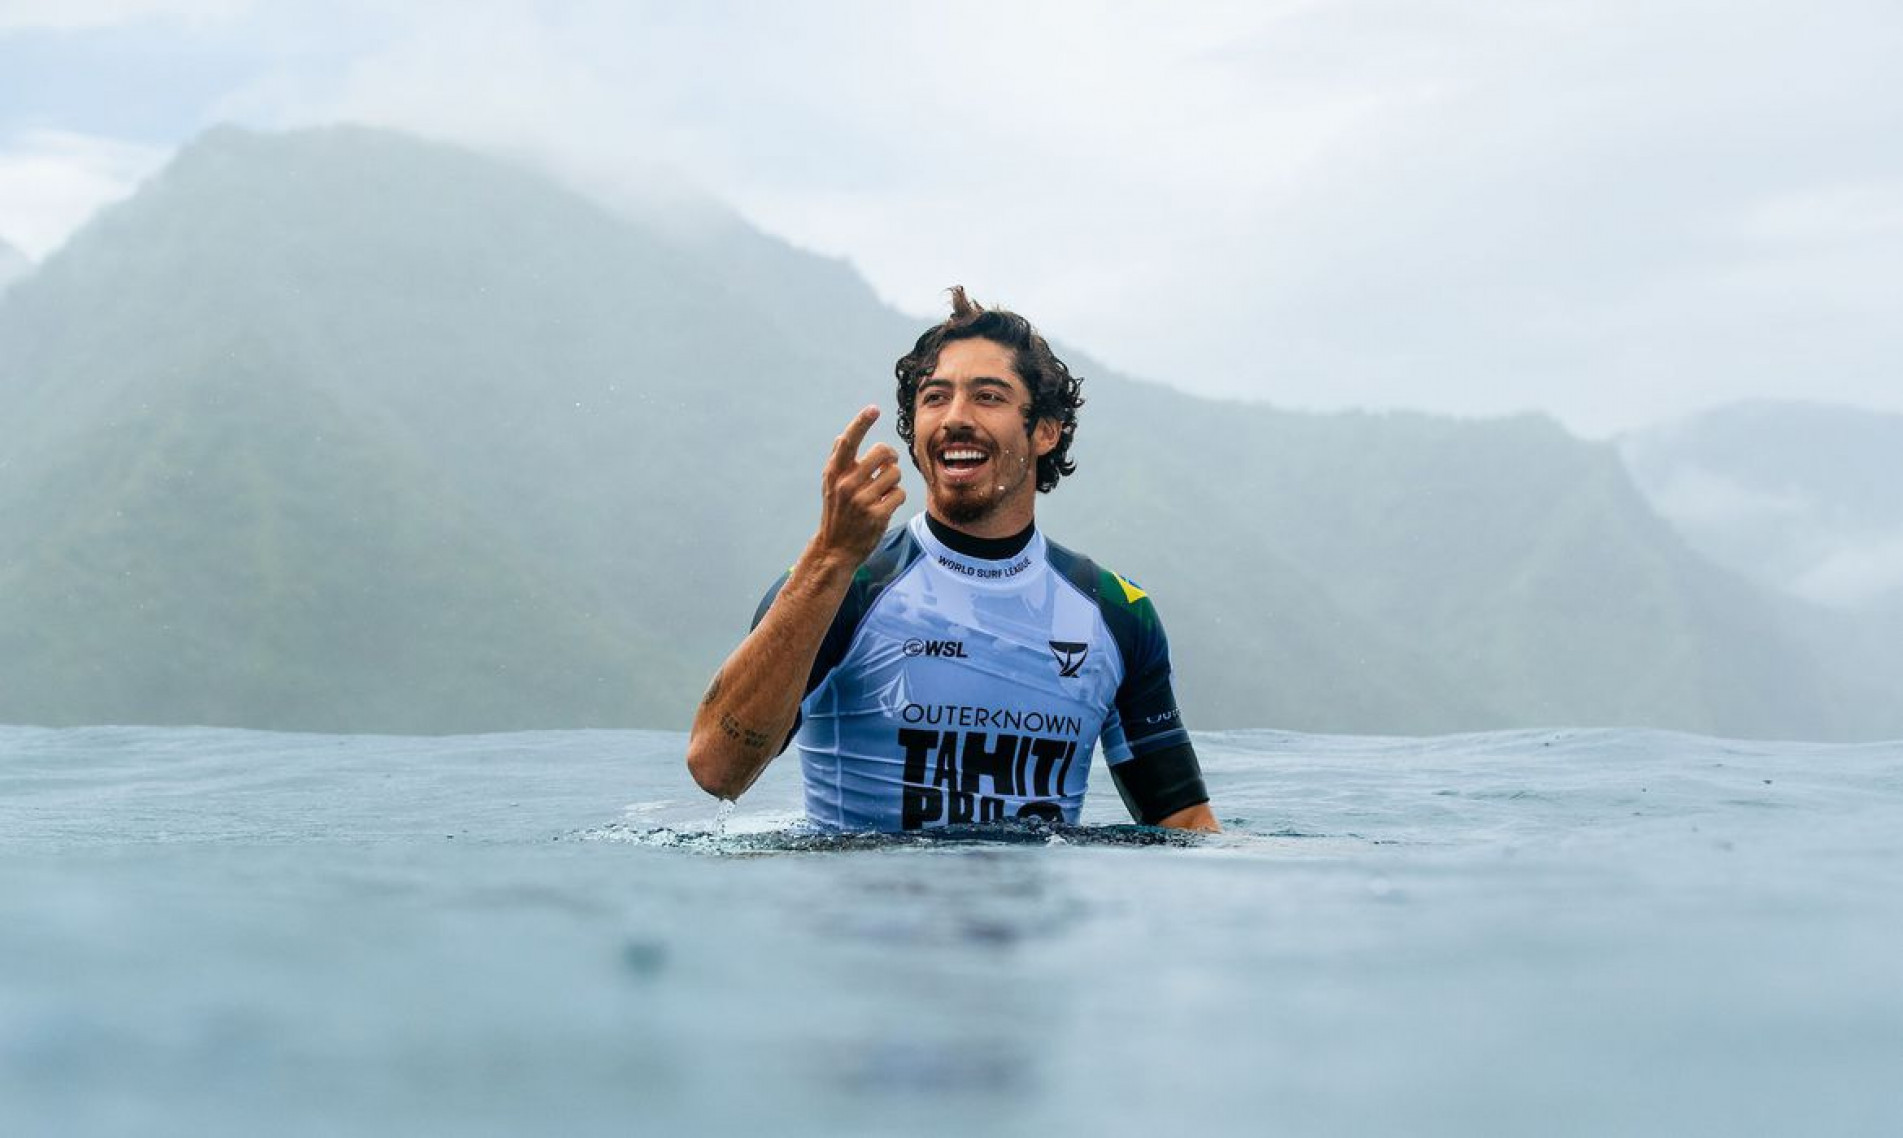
<point x="1198" y="817"/>
<point x="751" y="705"/>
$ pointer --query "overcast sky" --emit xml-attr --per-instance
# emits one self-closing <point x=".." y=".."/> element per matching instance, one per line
<point x="1613" y="211"/>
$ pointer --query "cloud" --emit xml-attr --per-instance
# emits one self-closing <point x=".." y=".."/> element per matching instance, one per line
<point x="1697" y="498"/>
<point x="1784" y="537"/>
<point x="1615" y="211"/>
<point x="90" y="15"/>
<point x="52" y="181"/>
<point x="1855" y="575"/>
<point x="1556" y="223"/>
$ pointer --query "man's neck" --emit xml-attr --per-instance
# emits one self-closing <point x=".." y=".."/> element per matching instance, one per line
<point x="982" y="548"/>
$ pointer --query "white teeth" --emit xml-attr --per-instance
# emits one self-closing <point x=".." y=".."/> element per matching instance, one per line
<point x="963" y="456"/>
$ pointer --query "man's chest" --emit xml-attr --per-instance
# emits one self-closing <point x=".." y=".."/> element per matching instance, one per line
<point x="1038" y="648"/>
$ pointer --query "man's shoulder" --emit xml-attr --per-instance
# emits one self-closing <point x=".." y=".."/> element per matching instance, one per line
<point x="1125" y="606"/>
<point x="1113" y="592"/>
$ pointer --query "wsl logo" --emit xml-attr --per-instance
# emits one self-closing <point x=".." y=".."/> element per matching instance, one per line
<point x="954" y="649"/>
<point x="1070" y="656"/>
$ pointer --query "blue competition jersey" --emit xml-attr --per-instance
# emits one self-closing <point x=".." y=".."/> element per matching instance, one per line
<point x="951" y="689"/>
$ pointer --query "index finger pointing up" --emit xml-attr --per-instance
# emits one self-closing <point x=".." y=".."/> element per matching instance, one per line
<point x="846" y="448"/>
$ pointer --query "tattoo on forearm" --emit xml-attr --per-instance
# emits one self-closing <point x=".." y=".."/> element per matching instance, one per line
<point x="742" y="734"/>
<point x="713" y="692"/>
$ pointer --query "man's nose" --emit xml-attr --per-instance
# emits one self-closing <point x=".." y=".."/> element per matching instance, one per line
<point x="958" y="412"/>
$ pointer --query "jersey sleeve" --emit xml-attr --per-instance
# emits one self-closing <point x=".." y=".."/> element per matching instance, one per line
<point x="1151" y="758"/>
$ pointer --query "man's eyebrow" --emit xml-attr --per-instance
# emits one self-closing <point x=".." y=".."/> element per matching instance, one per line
<point x="980" y="380"/>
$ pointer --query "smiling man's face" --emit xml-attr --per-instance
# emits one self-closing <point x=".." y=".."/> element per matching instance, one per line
<point x="970" y="442"/>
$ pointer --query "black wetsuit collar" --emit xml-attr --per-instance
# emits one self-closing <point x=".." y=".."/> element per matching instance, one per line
<point x="983" y="548"/>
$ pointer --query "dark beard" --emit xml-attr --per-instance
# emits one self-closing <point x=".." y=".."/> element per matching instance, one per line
<point x="964" y="511"/>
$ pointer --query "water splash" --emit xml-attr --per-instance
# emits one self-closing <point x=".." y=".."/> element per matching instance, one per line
<point x="797" y="836"/>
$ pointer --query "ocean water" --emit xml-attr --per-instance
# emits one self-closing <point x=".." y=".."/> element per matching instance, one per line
<point x="208" y="932"/>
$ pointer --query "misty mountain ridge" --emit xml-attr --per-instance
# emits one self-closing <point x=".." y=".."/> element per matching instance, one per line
<point x="343" y="430"/>
<point x="13" y="264"/>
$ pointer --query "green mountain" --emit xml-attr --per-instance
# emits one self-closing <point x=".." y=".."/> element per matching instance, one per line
<point x="342" y="430"/>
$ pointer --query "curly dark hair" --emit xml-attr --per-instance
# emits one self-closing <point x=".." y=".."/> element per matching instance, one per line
<point x="1056" y="394"/>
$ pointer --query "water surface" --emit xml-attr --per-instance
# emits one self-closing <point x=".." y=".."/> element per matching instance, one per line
<point x="1562" y="932"/>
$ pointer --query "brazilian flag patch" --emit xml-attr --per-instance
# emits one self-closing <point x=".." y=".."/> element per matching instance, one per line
<point x="1132" y="592"/>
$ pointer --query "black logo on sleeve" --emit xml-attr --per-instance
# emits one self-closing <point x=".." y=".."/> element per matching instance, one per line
<point x="954" y="649"/>
<point x="1070" y="656"/>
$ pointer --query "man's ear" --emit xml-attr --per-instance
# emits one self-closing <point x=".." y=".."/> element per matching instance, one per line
<point x="1044" y="436"/>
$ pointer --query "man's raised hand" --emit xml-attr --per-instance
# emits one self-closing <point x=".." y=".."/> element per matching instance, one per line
<point x="858" y="495"/>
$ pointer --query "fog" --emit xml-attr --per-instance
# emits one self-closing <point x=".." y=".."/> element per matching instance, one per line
<point x="1799" y="497"/>
<point x="1613" y="213"/>
<point x="1803" y="552"/>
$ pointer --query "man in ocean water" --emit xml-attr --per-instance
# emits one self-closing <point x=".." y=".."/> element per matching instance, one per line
<point x="958" y="669"/>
